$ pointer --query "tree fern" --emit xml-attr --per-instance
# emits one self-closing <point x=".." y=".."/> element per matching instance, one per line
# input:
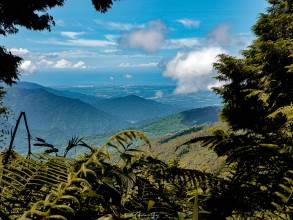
<point x="66" y="200"/>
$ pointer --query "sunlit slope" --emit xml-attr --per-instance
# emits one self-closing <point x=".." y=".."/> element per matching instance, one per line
<point x="172" y="147"/>
<point x="180" y="121"/>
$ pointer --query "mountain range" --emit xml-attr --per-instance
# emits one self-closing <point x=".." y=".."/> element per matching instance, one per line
<point x="57" y="115"/>
<point x="135" y="109"/>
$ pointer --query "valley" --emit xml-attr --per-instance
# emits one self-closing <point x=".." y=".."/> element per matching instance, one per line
<point x="56" y="115"/>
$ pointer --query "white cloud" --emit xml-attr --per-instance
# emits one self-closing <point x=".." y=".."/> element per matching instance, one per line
<point x="220" y="34"/>
<point x="181" y="43"/>
<point x="79" y="65"/>
<point x="188" y="23"/>
<point x="111" y="78"/>
<point x="28" y="67"/>
<point x="215" y="84"/>
<point x="127" y="76"/>
<point x="192" y="70"/>
<point x="45" y="63"/>
<point x="159" y="94"/>
<point x="91" y="43"/>
<point x="111" y="37"/>
<point x="124" y="65"/>
<point x="19" y="51"/>
<point x="110" y="51"/>
<point x="61" y="64"/>
<point x="60" y="22"/>
<point x="71" y="34"/>
<point x="147" y="39"/>
<point x="151" y="64"/>
<point x="118" y="25"/>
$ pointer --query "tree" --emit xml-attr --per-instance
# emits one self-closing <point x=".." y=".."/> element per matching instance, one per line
<point x="258" y="107"/>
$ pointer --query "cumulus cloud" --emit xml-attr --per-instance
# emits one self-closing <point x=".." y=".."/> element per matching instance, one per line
<point x="28" y="67"/>
<point x="61" y="64"/>
<point x="71" y="34"/>
<point x="19" y="51"/>
<point x="45" y="63"/>
<point x="192" y="70"/>
<point x="188" y="23"/>
<point x="147" y="39"/>
<point x="220" y="34"/>
<point x="79" y="65"/>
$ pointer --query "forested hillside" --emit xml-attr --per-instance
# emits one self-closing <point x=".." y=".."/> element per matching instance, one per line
<point x="182" y="120"/>
<point x="134" y="108"/>
<point x="47" y="111"/>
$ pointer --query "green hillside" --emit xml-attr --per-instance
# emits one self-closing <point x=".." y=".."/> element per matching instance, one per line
<point x="191" y="156"/>
<point x="180" y="121"/>
<point x="134" y="108"/>
<point x="46" y="111"/>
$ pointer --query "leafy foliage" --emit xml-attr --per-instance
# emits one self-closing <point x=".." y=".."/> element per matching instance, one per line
<point x="257" y="98"/>
<point x="123" y="183"/>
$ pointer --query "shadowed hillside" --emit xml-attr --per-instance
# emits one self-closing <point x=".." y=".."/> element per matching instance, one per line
<point x="73" y="95"/>
<point x="134" y="108"/>
<point x="46" y="111"/>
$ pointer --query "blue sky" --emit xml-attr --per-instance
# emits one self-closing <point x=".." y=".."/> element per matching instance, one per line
<point x="176" y="40"/>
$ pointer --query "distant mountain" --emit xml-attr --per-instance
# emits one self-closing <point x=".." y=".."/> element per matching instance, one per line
<point x="46" y="111"/>
<point x="134" y="108"/>
<point x="182" y="120"/>
<point x="74" y="95"/>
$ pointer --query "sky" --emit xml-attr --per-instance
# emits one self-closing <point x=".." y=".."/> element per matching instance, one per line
<point x="170" y="41"/>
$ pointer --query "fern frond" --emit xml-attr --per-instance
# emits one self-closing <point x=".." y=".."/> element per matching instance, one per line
<point x="25" y="181"/>
<point x="285" y="194"/>
<point x="77" y="186"/>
